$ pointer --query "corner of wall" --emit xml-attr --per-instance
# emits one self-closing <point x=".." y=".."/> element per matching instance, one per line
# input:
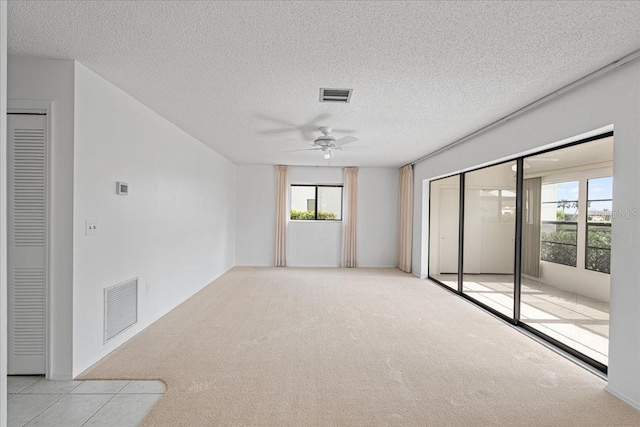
<point x="3" y="214"/>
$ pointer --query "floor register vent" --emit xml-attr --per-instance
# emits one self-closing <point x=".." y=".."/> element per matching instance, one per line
<point x="120" y="308"/>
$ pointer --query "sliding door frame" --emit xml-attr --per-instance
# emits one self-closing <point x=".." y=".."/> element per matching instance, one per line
<point x="517" y="268"/>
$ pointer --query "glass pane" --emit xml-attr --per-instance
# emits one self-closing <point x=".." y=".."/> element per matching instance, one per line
<point x="599" y="236"/>
<point x="489" y="236"/>
<point x="444" y="200"/>
<point x="560" y="201"/>
<point x="599" y="260"/>
<point x="598" y="253"/>
<point x="601" y="188"/>
<point x="559" y="243"/>
<point x="560" y="297"/>
<point x="599" y="211"/>
<point x="599" y="215"/>
<point x="303" y="202"/>
<point x="330" y="203"/>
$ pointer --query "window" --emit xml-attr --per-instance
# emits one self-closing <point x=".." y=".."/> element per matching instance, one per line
<point x="559" y="231"/>
<point x="598" y="242"/>
<point x="316" y="202"/>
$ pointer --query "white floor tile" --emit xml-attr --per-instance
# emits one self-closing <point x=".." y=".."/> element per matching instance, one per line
<point x="145" y="387"/>
<point x="41" y="402"/>
<point x="124" y="410"/>
<point x="15" y="384"/>
<point x="99" y="387"/>
<point x="71" y="411"/>
<point x="46" y="386"/>
<point x="24" y="407"/>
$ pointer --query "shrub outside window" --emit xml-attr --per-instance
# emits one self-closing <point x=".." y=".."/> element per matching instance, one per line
<point x="316" y="202"/>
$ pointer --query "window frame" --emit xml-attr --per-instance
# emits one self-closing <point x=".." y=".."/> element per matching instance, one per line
<point x="315" y="217"/>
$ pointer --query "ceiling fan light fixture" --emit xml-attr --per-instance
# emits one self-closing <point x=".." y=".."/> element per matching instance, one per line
<point x="326" y="154"/>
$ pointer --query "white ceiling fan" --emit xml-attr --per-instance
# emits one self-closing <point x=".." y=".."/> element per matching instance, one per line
<point x="327" y="143"/>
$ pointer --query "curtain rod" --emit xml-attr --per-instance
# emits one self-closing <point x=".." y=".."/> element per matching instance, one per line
<point x="597" y="73"/>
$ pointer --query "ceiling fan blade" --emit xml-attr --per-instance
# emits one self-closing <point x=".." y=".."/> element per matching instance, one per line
<point x="314" y="122"/>
<point x="344" y="131"/>
<point x="276" y="131"/>
<point x="302" y="149"/>
<point x="309" y="129"/>
<point x="302" y="142"/>
<point x="345" y="140"/>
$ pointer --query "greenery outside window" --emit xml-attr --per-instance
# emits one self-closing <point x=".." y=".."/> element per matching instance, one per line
<point x="316" y="202"/>
<point x="599" y="214"/>
<point x="559" y="228"/>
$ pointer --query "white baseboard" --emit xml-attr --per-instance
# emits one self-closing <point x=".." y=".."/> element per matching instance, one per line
<point x="623" y="397"/>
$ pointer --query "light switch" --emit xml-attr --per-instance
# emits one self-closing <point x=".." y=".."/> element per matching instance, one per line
<point x="91" y="227"/>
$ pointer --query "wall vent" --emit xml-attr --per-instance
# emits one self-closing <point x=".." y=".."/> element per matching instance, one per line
<point x="335" y="95"/>
<point x="120" y="308"/>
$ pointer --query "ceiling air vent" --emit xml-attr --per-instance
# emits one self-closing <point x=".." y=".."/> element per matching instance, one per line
<point x="335" y="95"/>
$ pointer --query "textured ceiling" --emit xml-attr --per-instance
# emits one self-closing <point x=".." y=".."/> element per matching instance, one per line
<point x="233" y="74"/>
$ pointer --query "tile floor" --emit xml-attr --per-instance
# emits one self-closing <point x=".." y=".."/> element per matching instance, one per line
<point x="35" y="401"/>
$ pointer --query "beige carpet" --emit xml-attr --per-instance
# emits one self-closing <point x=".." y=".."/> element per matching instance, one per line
<point x="352" y="347"/>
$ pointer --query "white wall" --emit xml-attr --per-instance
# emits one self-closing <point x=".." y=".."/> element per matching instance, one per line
<point x="255" y="215"/>
<point x="3" y="214"/>
<point x="175" y="230"/>
<point x="52" y="80"/>
<point x="316" y="244"/>
<point x="613" y="99"/>
<point x="377" y="216"/>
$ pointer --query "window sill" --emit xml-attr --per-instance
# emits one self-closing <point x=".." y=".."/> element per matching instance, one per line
<point x="316" y="221"/>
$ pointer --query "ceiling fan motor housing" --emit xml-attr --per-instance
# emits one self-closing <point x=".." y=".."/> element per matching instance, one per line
<point x="324" y="140"/>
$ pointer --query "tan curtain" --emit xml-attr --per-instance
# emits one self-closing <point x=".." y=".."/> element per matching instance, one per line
<point x="349" y="232"/>
<point x="405" y="219"/>
<point x="532" y="196"/>
<point x="282" y="214"/>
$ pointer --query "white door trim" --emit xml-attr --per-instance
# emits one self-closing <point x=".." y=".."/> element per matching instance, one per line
<point x="27" y="106"/>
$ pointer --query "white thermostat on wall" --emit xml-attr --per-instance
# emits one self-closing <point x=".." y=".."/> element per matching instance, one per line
<point x="122" y="188"/>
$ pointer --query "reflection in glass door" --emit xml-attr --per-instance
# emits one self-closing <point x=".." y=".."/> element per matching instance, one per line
<point x="444" y="223"/>
<point x="489" y="236"/>
<point x="566" y="246"/>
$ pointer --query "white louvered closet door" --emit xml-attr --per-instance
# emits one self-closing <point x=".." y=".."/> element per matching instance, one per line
<point x="27" y="164"/>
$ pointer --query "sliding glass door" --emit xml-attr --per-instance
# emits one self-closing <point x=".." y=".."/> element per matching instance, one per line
<point x="534" y="244"/>
<point x="489" y="236"/>
<point x="444" y="225"/>
<point x="565" y="280"/>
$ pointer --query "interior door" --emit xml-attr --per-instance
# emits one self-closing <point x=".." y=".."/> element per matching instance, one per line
<point x="27" y="241"/>
<point x="449" y="219"/>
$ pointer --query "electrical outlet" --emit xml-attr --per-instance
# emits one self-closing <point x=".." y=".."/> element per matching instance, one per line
<point x="91" y="227"/>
